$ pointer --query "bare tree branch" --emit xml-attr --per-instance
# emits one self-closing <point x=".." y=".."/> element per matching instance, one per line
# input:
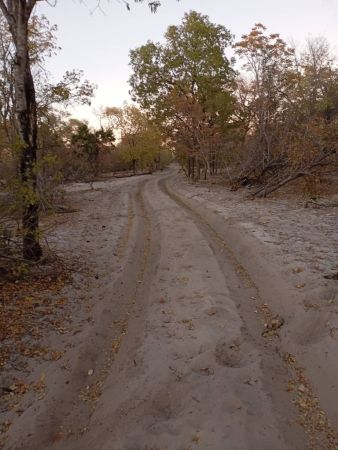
<point x="6" y="12"/>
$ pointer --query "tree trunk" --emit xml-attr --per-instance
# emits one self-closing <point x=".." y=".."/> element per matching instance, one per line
<point x="25" y="105"/>
<point x="198" y="169"/>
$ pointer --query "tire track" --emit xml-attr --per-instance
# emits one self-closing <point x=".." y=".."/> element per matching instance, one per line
<point x="125" y="237"/>
<point x="131" y="279"/>
<point x="66" y="420"/>
<point x="294" y="386"/>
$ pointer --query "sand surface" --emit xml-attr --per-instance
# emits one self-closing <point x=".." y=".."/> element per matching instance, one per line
<point x="198" y="320"/>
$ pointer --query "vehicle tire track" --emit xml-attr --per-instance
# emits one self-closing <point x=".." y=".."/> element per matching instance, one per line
<point x="65" y="419"/>
<point x="289" y="386"/>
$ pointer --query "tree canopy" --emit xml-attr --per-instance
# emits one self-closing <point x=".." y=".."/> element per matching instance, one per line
<point x="186" y="84"/>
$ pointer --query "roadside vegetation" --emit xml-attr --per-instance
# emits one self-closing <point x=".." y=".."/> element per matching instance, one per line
<point x="255" y="110"/>
<point x="251" y="111"/>
<point x="41" y="145"/>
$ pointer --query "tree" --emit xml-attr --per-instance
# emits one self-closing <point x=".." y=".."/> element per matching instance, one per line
<point x="318" y="87"/>
<point x="186" y="83"/>
<point x="140" y="140"/>
<point x="42" y="44"/>
<point x="18" y="13"/>
<point x="90" y="143"/>
<point x="269" y="61"/>
<point x="289" y="109"/>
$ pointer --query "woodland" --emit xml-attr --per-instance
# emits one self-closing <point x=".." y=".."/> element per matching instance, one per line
<point x="252" y="111"/>
<point x="151" y="296"/>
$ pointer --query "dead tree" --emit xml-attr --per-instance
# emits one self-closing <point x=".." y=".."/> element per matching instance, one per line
<point x="277" y="182"/>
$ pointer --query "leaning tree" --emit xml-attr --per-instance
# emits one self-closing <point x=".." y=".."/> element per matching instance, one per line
<point x="17" y="14"/>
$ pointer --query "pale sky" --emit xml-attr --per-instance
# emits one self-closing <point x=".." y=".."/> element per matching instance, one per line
<point x="99" y="43"/>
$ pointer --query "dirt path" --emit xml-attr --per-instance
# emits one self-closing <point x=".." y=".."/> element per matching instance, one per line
<point x="191" y="334"/>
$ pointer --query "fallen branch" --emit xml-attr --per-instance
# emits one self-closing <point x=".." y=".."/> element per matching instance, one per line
<point x="320" y="205"/>
<point x="12" y="258"/>
<point x="132" y="175"/>
<point x="271" y="187"/>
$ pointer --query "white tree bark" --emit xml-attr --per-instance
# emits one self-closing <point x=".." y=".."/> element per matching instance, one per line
<point x="17" y="13"/>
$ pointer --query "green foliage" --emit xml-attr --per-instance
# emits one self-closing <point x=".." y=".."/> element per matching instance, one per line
<point x="142" y="147"/>
<point x="186" y="85"/>
<point x="68" y="91"/>
<point x="192" y="62"/>
<point x="42" y="39"/>
<point x="89" y="143"/>
<point x="140" y="139"/>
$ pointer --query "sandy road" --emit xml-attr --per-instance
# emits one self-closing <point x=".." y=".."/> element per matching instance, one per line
<point x="191" y="344"/>
<point x="195" y="376"/>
